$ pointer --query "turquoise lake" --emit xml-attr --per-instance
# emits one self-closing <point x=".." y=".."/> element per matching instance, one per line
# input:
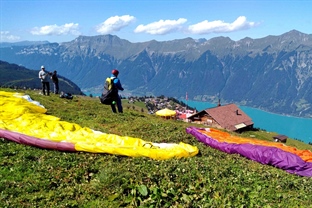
<point x="293" y="127"/>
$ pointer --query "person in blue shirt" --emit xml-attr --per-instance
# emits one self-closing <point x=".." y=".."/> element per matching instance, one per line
<point x="118" y="86"/>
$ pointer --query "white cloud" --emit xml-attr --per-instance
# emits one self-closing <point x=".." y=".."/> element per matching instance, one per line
<point x="219" y="26"/>
<point x="6" y="36"/>
<point x="66" y="29"/>
<point x="113" y="24"/>
<point x="161" y="27"/>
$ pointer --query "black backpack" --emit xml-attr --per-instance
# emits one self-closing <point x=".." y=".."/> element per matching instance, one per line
<point x="110" y="92"/>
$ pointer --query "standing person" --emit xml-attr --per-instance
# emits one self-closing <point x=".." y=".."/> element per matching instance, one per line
<point x="118" y="86"/>
<point x="44" y="77"/>
<point x="55" y="82"/>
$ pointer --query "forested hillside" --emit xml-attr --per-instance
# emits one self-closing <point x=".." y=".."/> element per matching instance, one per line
<point x="14" y="76"/>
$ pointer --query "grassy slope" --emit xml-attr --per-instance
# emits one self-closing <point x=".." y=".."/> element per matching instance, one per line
<point x="31" y="177"/>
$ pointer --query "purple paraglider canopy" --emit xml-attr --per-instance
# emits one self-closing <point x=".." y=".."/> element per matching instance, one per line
<point x="274" y="156"/>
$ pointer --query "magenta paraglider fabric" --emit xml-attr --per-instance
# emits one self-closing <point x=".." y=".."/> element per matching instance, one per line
<point x="41" y="143"/>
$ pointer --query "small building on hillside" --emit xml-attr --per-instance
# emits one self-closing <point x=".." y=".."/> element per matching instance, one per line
<point x="229" y="117"/>
<point x="280" y="138"/>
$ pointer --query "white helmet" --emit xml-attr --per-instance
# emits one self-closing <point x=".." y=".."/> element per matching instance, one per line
<point x="42" y="67"/>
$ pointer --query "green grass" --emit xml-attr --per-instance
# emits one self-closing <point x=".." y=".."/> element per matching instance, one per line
<point x="33" y="177"/>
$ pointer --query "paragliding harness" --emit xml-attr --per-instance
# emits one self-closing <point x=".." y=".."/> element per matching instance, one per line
<point x="66" y="95"/>
<point x="110" y="93"/>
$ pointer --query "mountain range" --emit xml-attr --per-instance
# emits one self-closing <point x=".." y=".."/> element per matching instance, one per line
<point x="273" y="73"/>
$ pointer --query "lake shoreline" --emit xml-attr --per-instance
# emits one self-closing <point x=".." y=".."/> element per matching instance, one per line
<point x="298" y="128"/>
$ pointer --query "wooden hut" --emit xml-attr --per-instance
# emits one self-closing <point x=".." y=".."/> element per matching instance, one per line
<point x="229" y="117"/>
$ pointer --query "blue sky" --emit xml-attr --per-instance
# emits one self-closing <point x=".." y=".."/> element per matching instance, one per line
<point x="140" y="21"/>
